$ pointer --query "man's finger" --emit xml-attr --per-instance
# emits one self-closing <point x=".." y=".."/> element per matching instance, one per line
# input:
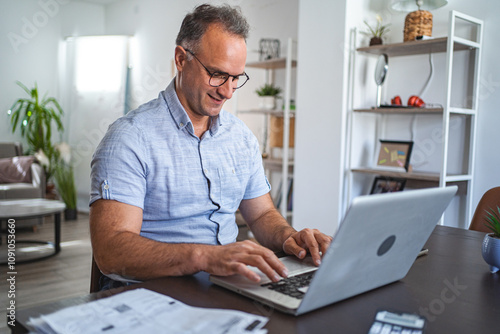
<point x="265" y="268"/>
<point x="309" y="238"/>
<point x="290" y="246"/>
<point x="324" y="243"/>
<point x="266" y="261"/>
<point x="242" y="269"/>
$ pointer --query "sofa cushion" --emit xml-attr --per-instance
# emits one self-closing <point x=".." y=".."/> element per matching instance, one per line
<point x="18" y="190"/>
<point x="16" y="169"/>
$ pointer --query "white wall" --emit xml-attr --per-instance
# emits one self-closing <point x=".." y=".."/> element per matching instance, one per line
<point x="320" y="103"/>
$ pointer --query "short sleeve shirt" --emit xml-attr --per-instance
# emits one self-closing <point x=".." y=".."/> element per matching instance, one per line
<point x="189" y="188"/>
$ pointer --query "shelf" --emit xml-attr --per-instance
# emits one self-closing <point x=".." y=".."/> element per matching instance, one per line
<point x="414" y="110"/>
<point x="458" y="178"/>
<point x="462" y="111"/>
<point x="433" y="177"/>
<point x="273" y="112"/>
<point x="283" y="165"/>
<point x="416" y="47"/>
<point x="465" y="87"/>
<point x="410" y="176"/>
<point x="401" y="110"/>
<point x="276" y="164"/>
<point x="271" y="64"/>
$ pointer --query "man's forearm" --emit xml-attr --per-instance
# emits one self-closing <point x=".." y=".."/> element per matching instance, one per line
<point x="271" y="230"/>
<point x="133" y="256"/>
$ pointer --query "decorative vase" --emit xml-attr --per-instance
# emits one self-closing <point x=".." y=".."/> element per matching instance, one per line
<point x="267" y="102"/>
<point x="70" y="214"/>
<point x="50" y="191"/>
<point x="491" y="252"/>
<point x="375" y="41"/>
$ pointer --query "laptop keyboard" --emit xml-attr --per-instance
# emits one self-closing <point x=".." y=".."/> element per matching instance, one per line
<point x="290" y="285"/>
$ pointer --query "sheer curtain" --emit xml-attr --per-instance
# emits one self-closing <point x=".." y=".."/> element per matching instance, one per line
<point x="95" y="89"/>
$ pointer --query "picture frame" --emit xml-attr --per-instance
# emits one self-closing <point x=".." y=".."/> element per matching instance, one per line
<point x="269" y="49"/>
<point x="383" y="185"/>
<point x="394" y="155"/>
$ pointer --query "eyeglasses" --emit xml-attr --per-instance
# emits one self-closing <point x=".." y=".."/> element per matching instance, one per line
<point x="217" y="79"/>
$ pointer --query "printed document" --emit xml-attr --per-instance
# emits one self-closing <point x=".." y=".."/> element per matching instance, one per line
<point x="145" y="311"/>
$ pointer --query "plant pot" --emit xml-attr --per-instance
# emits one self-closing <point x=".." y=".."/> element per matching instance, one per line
<point x="375" y="41"/>
<point x="70" y="214"/>
<point x="267" y="102"/>
<point x="491" y="252"/>
<point x="50" y="191"/>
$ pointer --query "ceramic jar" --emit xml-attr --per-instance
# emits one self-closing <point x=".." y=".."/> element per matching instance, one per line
<point x="491" y="252"/>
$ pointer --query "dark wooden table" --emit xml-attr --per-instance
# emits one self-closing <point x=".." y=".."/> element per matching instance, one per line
<point x="451" y="286"/>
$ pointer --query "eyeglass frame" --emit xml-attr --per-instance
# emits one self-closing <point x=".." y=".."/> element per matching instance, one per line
<point x="211" y="74"/>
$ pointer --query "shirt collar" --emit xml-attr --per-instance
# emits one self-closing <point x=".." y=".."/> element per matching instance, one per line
<point x="180" y="116"/>
<point x="175" y="107"/>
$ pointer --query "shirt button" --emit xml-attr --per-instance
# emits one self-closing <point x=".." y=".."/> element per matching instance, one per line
<point x="233" y="171"/>
<point x="106" y="187"/>
<point x="181" y="124"/>
<point x="206" y="171"/>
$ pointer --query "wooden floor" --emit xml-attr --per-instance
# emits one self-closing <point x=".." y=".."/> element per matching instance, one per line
<point x="64" y="275"/>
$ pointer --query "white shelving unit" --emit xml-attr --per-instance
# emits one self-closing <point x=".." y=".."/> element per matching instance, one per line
<point x="285" y="164"/>
<point x="451" y="45"/>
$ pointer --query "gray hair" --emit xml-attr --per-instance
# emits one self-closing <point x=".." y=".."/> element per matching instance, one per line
<point x="195" y="24"/>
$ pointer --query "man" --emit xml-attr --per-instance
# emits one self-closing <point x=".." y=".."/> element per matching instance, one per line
<point x="168" y="177"/>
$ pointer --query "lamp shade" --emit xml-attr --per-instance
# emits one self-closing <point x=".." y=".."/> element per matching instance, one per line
<point x="411" y="5"/>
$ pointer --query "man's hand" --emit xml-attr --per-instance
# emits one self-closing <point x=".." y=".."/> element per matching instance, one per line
<point x="312" y="240"/>
<point x="234" y="258"/>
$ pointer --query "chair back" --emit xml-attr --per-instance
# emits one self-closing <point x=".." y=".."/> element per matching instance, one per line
<point x="489" y="201"/>
<point x="95" y="276"/>
<point x="9" y="150"/>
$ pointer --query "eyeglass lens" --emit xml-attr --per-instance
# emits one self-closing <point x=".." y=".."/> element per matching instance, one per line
<point x="218" y="79"/>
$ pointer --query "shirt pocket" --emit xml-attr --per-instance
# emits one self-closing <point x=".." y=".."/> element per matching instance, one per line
<point x="232" y="182"/>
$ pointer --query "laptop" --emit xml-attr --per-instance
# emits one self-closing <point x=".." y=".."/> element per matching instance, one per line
<point x="379" y="239"/>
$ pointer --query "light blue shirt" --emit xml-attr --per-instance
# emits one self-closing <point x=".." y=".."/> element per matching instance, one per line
<point x="189" y="188"/>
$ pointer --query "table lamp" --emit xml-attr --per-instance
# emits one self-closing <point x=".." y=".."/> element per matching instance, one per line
<point x="419" y="21"/>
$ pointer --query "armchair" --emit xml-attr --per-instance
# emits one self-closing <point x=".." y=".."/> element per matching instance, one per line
<point x="20" y="176"/>
<point x="489" y="201"/>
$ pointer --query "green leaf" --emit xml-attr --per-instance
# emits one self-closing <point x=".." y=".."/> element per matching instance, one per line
<point x="268" y="90"/>
<point x="493" y="221"/>
<point x="371" y="30"/>
<point x="65" y="183"/>
<point x="15" y="115"/>
<point x="20" y="84"/>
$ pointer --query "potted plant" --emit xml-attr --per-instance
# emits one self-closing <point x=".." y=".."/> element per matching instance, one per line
<point x="35" y="117"/>
<point x="378" y="32"/>
<point x="491" y="242"/>
<point x="268" y="94"/>
<point x="65" y="180"/>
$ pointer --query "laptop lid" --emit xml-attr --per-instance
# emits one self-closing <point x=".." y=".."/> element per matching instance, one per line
<point x="376" y="244"/>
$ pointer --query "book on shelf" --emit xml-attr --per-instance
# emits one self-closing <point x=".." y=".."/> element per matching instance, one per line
<point x="278" y="196"/>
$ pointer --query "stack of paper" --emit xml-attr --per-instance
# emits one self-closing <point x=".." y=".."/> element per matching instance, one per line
<point x="145" y="311"/>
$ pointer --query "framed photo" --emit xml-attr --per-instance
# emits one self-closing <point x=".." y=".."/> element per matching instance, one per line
<point x="269" y="49"/>
<point x="387" y="185"/>
<point x="394" y="155"/>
